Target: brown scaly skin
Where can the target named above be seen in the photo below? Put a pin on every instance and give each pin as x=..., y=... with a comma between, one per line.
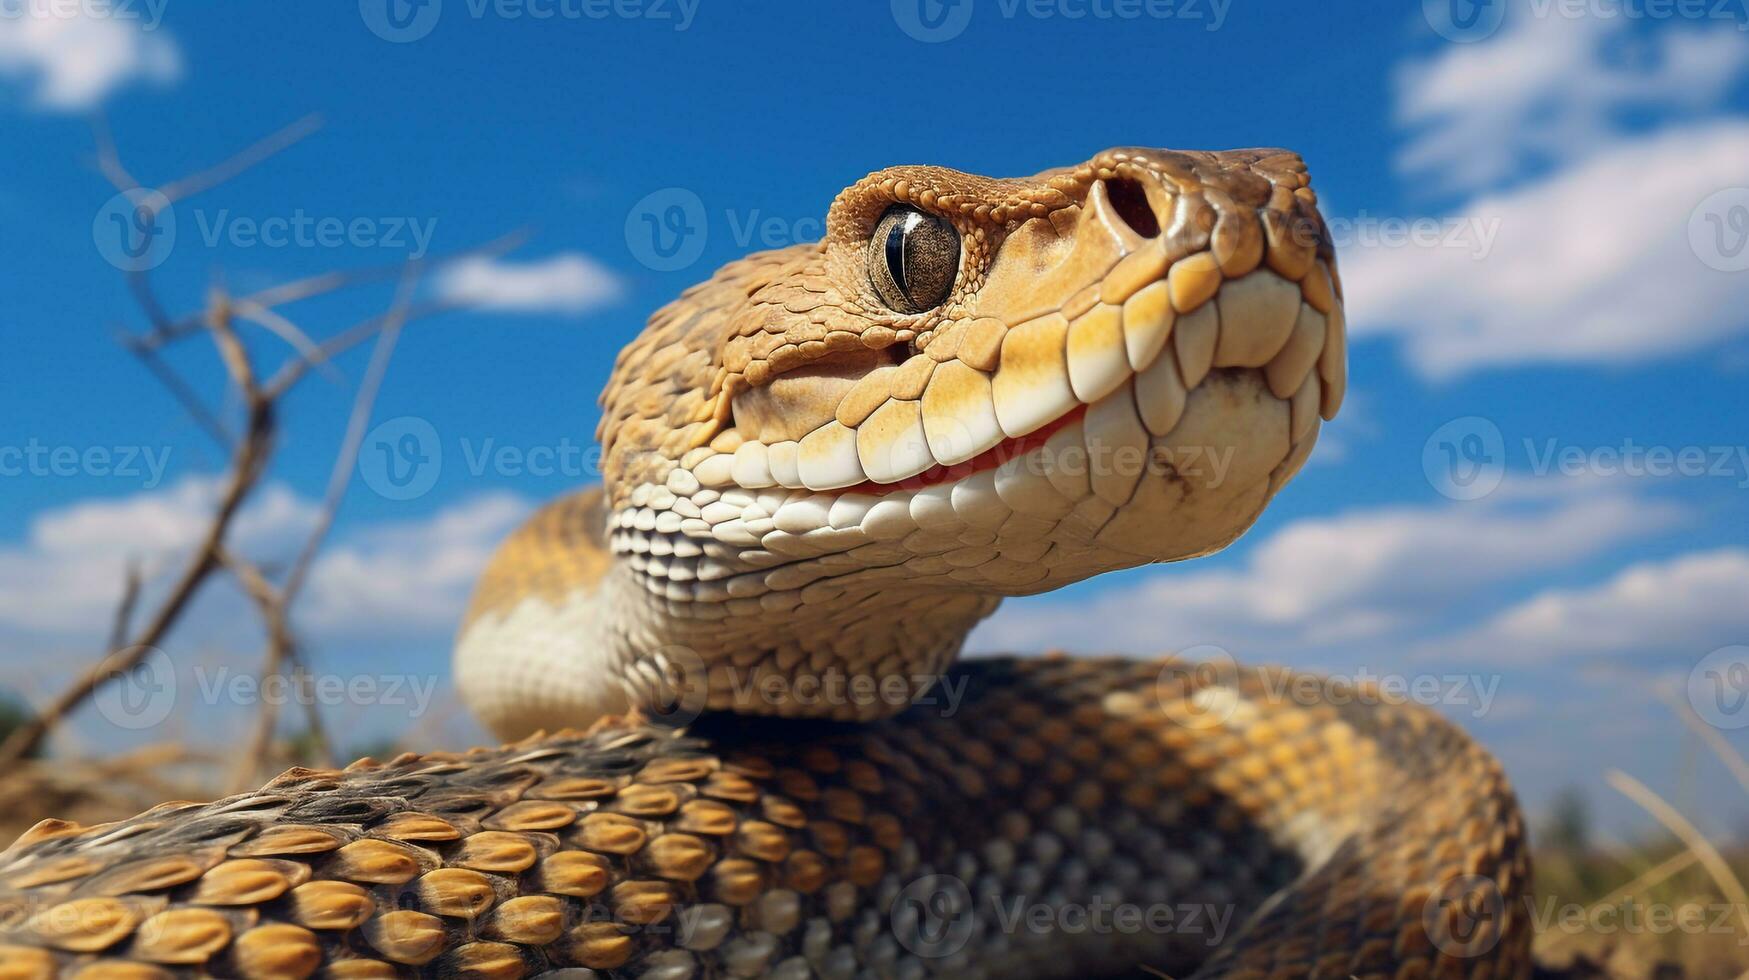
x=1230, y=824
x=744, y=848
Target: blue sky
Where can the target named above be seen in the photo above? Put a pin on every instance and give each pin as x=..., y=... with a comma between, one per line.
x=1540, y=221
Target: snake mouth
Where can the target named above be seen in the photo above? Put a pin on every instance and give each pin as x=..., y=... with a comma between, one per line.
x=1038, y=487
x=1001, y=454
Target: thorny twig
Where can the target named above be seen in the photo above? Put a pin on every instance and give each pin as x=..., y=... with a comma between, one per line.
x=249, y=443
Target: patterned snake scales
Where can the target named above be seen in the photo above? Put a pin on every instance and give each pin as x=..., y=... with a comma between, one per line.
x=822, y=467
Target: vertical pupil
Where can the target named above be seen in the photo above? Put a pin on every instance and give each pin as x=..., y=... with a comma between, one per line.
x=896, y=252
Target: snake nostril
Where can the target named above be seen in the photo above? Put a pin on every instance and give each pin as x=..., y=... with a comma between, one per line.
x=1130, y=201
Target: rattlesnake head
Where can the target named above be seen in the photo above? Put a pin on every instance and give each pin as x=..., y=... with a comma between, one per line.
x=828, y=462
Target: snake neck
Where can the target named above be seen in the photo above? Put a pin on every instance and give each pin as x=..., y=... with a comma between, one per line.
x=570, y=625
x=863, y=650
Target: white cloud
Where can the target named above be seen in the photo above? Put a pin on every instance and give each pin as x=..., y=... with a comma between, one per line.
x=1334, y=580
x=566, y=283
x=1551, y=88
x=1687, y=604
x=67, y=575
x=63, y=580
x=413, y=576
x=71, y=60
x=1592, y=265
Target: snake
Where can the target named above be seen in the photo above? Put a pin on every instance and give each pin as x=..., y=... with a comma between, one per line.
x=738, y=740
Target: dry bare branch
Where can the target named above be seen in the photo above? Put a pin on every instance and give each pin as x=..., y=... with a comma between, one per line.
x=249, y=444
x=280, y=326
x=324, y=283
x=251, y=155
x=243, y=472
x=183, y=392
x=108, y=160
x=123, y=620
x=363, y=402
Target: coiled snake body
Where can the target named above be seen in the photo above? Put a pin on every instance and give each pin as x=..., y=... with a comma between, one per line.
x=822, y=467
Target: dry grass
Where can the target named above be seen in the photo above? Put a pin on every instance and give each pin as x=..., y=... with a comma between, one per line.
x=1645, y=911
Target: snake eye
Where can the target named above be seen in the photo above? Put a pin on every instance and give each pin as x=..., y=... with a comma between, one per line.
x=913, y=258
